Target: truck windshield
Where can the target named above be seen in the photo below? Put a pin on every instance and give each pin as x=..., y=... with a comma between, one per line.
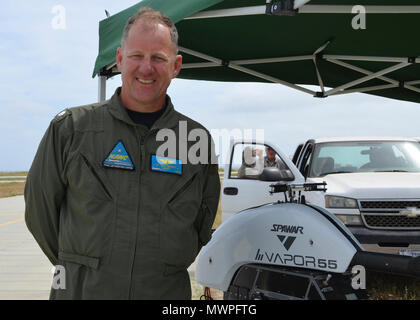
x=365, y=156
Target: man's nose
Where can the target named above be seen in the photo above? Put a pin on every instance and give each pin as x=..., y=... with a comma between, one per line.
x=146, y=65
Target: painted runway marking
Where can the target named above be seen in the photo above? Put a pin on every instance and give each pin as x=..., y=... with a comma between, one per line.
x=10, y=222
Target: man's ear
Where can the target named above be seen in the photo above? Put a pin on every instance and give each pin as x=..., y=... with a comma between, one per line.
x=119, y=58
x=178, y=65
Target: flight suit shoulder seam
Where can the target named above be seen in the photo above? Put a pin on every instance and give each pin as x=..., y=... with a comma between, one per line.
x=190, y=121
x=86, y=115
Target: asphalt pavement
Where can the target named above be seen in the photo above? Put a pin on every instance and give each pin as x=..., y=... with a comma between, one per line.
x=25, y=273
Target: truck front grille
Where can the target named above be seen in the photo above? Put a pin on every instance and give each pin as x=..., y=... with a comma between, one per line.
x=392, y=222
x=389, y=204
x=387, y=214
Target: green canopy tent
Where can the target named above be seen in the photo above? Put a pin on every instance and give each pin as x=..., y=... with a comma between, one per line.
x=327, y=43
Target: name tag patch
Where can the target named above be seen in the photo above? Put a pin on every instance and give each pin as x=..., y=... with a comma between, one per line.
x=119, y=158
x=168, y=165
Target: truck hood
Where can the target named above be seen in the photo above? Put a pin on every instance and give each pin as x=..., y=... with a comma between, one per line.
x=373, y=185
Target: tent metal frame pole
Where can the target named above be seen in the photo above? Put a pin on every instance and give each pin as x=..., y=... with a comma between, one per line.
x=224, y=13
x=305, y=8
x=366, y=89
x=367, y=78
x=234, y=66
x=101, y=88
x=201, y=55
x=111, y=66
x=200, y=65
x=310, y=57
x=272, y=60
x=248, y=61
x=315, y=58
x=300, y=3
x=318, y=75
x=402, y=62
x=358, y=69
x=407, y=85
x=336, y=59
x=371, y=59
x=271, y=79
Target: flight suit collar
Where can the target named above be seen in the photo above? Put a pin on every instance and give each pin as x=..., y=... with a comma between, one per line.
x=169, y=118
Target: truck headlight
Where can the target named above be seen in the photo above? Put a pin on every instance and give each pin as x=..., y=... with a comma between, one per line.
x=350, y=219
x=340, y=202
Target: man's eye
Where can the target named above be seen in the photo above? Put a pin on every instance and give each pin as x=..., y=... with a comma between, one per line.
x=159, y=58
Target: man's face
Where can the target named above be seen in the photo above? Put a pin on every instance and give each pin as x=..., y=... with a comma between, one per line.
x=147, y=62
x=271, y=154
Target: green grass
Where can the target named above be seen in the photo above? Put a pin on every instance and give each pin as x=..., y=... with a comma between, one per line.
x=19, y=173
x=11, y=189
x=383, y=286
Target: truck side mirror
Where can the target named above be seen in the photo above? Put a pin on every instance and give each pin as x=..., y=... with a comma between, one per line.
x=275, y=174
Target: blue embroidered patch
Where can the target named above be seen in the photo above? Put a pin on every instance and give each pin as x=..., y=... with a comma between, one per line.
x=168, y=165
x=119, y=158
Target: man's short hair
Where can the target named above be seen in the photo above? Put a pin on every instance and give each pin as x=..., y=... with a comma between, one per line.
x=152, y=16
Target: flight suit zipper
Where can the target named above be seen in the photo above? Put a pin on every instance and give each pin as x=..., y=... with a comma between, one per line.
x=143, y=152
x=142, y=167
x=141, y=160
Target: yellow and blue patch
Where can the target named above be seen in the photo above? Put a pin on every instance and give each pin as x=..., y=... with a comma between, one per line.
x=168, y=165
x=119, y=158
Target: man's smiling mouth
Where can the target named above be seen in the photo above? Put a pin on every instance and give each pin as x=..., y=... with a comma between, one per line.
x=144, y=81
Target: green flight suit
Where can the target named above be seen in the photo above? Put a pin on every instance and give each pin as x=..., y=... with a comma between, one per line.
x=118, y=233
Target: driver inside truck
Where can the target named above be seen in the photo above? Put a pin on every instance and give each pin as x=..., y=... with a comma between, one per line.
x=382, y=157
x=252, y=163
x=270, y=160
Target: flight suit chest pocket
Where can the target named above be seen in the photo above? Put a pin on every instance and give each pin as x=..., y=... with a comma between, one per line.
x=88, y=178
x=87, y=222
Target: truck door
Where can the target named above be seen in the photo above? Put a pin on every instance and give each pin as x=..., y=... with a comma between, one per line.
x=304, y=159
x=241, y=188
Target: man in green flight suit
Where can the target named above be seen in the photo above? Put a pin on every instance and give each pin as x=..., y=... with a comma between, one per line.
x=123, y=218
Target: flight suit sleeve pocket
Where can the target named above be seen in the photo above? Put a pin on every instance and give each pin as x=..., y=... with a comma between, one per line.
x=90, y=262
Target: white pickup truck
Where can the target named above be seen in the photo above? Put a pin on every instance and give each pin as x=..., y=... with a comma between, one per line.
x=373, y=184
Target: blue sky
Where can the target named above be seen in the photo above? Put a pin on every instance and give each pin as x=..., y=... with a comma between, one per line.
x=45, y=70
